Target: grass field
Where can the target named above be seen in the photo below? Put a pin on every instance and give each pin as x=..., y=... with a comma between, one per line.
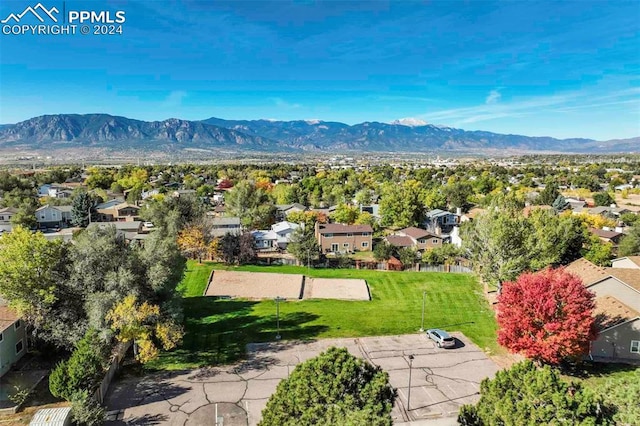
x=218, y=330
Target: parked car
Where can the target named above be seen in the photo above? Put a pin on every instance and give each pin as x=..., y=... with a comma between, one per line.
x=441, y=337
x=148, y=225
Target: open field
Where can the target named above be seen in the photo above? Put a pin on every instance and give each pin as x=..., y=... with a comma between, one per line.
x=217, y=331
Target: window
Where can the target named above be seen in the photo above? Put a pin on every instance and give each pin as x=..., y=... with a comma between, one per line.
x=365, y=244
x=17, y=324
x=1, y=217
x=349, y=234
x=19, y=347
x=635, y=346
x=42, y=216
x=328, y=235
x=334, y=247
x=53, y=214
x=345, y=245
x=365, y=234
x=434, y=241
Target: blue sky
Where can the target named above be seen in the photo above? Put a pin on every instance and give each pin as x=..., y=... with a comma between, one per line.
x=564, y=69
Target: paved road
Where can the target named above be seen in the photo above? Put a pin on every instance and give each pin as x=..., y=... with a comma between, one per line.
x=441, y=381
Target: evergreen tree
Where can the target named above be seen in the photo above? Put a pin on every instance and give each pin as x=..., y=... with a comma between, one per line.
x=334, y=388
x=526, y=395
x=81, y=209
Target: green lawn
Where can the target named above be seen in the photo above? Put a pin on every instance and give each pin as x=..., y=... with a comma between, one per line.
x=217, y=331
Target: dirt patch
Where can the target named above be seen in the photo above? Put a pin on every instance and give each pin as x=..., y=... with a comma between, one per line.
x=332, y=288
x=254, y=285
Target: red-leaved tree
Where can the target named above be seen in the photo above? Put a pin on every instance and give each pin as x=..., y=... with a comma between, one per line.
x=546, y=316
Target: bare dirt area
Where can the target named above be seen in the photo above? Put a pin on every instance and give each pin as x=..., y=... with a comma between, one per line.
x=333, y=288
x=441, y=381
x=255, y=285
x=632, y=202
x=266, y=285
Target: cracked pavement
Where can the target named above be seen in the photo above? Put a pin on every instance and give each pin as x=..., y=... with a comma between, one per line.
x=441, y=381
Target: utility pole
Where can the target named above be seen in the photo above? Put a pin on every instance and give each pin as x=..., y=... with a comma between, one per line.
x=278, y=299
x=424, y=294
x=409, y=391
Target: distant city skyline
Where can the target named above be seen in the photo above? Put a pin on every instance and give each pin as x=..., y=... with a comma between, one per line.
x=560, y=69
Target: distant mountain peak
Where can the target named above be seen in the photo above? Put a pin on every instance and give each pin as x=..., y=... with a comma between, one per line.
x=410, y=121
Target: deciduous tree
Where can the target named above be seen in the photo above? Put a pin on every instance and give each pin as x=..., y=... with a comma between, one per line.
x=630, y=243
x=603, y=199
x=143, y=324
x=304, y=245
x=333, y=388
x=547, y=316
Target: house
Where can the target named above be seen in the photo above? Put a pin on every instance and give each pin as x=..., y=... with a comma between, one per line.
x=440, y=221
x=13, y=338
x=617, y=310
x=607, y=236
x=373, y=210
x=420, y=239
x=225, y=225
x=122, y=228
x=122, y=212
x=283, y=210
x=55, y=191
x=53, y=216
x=629, y=262
x=609, y=211
x=151, y=193
x=5, y=219
x=276, y=238
x=184, y=192
x=338, y=238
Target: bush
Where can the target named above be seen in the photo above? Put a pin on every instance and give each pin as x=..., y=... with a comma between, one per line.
x=82, y=371
x=85, y=410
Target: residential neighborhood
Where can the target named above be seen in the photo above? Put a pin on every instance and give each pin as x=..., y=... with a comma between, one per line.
x=373, y=245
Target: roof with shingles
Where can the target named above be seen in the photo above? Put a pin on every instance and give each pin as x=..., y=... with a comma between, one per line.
x=631, y=277
x=416, y=233
x=610, y=311
x=399, y=241
x=588, y=272
x=338, y=228
x=7, y=317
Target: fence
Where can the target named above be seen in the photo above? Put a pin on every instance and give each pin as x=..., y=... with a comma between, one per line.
x=114, y=365
x=458, y=269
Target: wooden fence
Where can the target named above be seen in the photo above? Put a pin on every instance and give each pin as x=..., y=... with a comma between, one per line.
x=114, y=365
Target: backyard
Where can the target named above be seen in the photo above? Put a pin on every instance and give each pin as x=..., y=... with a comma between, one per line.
x=218, y=330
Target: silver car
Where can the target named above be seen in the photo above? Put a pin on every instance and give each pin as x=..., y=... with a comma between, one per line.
x=441, y=337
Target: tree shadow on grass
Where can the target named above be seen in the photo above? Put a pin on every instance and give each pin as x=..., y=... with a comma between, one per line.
x=217, y=331
x=587, y=369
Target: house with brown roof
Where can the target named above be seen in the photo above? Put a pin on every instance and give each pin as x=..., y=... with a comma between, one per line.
x=607, y=236
x=339, y=238
x=13, y=339
x=123, y=212
x=418, y=238
x=617, y=310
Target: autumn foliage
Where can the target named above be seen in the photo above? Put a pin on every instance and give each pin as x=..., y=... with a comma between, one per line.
x=546, y=316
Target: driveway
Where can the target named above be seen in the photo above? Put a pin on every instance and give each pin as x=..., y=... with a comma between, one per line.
x=441, y=381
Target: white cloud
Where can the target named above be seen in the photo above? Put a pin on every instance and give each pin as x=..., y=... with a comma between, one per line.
x=493, y=97
x=284, y=104
x=562, y=102
x=174, y=99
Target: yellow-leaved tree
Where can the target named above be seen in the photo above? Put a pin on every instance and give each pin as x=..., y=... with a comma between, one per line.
x=192, y=242
x=143, y=324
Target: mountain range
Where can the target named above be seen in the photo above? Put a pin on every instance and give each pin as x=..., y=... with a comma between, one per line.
x=407, y=135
